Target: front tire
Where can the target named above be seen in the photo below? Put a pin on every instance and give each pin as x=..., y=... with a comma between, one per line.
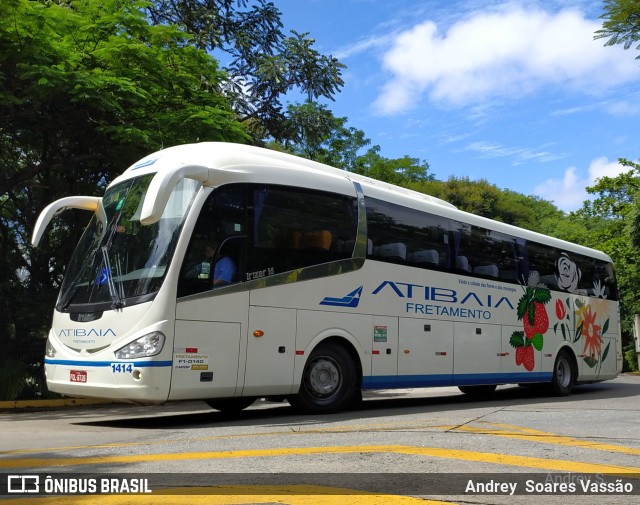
x=328, y=380
x=564, y=375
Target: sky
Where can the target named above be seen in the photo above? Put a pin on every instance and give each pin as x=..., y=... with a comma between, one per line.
x=514, y=92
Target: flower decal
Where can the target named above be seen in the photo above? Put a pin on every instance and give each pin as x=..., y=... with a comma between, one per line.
x=535, y=281
x=591, y=333
x=599, y=290
x=577, y=320
x=567, y=273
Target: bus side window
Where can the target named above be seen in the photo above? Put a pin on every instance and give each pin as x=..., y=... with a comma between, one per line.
x=403, y=235
x=215, y=254
x=294, y=228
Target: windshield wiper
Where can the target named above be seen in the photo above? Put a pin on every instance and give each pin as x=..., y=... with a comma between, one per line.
x=116, y=300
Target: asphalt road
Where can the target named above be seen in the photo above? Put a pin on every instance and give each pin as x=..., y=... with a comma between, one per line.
x=400, y=447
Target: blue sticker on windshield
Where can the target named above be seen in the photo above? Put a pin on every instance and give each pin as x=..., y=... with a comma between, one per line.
x=103, y=277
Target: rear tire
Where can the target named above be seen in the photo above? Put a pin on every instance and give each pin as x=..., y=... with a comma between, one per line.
x=328, y=380
x=564, y=375
x=231, y=405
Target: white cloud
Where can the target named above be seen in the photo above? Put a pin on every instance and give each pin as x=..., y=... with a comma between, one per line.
x=510, y=52
x=619, y=108
x=623, y=108
x=362, y=46
x=519, y=155
x=569, y=192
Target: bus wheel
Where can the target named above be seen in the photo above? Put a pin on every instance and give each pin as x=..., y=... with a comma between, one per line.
x=478, y=391
x=230, y=405
x=328, y=380
x=564, y=375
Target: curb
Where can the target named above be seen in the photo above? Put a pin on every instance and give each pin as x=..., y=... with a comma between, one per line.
x=48, y=404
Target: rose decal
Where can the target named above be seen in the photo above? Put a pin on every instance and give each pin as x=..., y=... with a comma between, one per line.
x=567, y=273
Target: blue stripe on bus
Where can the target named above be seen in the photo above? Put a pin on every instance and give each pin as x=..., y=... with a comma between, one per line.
x=412, y=381
x=139, y=364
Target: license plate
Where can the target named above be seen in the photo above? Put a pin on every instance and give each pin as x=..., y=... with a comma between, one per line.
x=77, y=375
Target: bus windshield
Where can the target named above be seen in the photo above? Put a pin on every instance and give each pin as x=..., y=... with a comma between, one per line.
x=120, y=262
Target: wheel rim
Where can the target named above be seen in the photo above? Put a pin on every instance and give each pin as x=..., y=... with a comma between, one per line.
x=323, y=378
x=563, y=373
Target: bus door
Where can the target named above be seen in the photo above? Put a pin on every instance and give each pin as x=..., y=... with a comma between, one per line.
x=212, y=305
x=271, y=351
x=207, y=344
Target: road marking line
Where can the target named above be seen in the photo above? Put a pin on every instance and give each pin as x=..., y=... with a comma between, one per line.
x=287, y=431
x=484, y=457
x=543, y=437
x=223, y=495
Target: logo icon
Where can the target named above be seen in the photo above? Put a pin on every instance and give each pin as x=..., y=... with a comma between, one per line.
x=350, y=300
x=23, y=484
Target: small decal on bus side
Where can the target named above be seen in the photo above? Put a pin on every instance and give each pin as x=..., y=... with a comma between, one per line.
x=191, y=362
x=121, y=367
x=261, y=273
x=379, y=333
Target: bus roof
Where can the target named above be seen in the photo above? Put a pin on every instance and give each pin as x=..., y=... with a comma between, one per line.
x=220, y=163
x=221, y=155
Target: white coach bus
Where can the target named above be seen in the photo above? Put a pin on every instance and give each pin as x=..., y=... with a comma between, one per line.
x=227, y=273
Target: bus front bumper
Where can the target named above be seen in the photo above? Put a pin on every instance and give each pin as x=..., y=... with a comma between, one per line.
x=136, y=381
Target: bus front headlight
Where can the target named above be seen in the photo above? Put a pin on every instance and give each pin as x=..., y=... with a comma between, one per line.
x=143, y=347
x=50, y=351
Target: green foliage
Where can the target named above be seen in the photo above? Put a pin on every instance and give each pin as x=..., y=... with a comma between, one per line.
x=610, y=220
x=264, y=63
x=315, y=133
x=621, y=23
x=630, y=359
x=402, y=171
x=485, y=199
x=13, y=375
x=87, y=87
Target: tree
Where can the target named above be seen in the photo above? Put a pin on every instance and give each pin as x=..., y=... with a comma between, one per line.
x=263, y=64
x=87, y=87
x=611, y=221
x=402, y=171
x=315, y=133
x=621, y=23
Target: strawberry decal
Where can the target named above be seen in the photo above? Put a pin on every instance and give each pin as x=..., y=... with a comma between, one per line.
x=535, y=320
x=524, y=350
x=525, y=356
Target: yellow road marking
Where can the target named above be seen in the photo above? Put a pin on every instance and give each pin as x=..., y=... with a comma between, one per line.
x=543, y=437
x=291, y=495
x=459, y=454
x=505, y=431
x=287, y=431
